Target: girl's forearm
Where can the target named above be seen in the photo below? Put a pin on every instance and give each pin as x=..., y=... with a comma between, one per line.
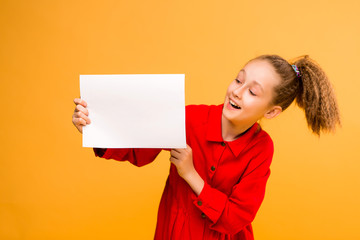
x=195, y=182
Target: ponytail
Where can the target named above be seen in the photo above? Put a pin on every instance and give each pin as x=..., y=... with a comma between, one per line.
x=310, y=88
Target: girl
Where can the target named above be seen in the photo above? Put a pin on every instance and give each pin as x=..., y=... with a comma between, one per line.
x=216, y=185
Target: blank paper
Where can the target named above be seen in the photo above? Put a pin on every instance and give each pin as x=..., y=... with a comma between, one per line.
x=134, y=110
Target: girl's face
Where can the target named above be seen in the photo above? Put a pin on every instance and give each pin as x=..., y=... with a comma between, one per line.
x=249, y=96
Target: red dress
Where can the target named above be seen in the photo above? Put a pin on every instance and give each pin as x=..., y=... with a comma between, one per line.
x=235, y=175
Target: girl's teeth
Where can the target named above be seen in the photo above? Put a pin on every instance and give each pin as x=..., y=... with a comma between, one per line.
x=234, y=105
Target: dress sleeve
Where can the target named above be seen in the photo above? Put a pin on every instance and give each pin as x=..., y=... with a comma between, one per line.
x=230, y=214
x=136, y=156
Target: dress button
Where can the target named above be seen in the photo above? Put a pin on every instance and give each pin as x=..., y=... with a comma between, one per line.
x=223, y=144
x=203, y=215
x=212, y=168
x=199, y=203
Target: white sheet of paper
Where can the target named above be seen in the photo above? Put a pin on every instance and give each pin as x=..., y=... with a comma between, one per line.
x=134, y=110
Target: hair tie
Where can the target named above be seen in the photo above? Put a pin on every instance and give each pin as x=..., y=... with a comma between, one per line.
x=296, y=70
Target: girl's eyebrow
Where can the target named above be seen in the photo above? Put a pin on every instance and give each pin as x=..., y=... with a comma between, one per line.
x=244, y=73
x=254, y=82
x=258, y=84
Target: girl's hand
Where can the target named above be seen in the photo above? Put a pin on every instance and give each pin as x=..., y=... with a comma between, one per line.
x=80, y=117
x=183, y=160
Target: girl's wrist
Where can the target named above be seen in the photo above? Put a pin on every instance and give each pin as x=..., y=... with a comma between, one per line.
x=190, y=175
x=195, y=181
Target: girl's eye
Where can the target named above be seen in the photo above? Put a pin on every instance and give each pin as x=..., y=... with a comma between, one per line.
x=237, y=80
x=252, y=93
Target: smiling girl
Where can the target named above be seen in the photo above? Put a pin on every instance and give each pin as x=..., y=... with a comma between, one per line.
x=217, y=184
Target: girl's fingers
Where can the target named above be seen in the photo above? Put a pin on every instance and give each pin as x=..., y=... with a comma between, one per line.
x=174, y=153
x=177, y=150
x=80, y=108
x=79, y=128
x=82, y=116
x=79, y=123
x=80, y=101
x=173, y=160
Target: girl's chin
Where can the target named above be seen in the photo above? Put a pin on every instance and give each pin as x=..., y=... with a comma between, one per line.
x=230, y=115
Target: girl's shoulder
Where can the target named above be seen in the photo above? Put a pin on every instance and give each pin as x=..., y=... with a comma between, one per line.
x=262, y=139
x=202, y=108
x=200, y=113
x=197, y=107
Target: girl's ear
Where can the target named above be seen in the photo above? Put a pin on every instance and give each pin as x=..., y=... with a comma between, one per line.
x=273, y=112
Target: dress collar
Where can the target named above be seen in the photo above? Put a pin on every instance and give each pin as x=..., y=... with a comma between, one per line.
x=214, y=131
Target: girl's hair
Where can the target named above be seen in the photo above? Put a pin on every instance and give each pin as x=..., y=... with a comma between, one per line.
x=312, y=91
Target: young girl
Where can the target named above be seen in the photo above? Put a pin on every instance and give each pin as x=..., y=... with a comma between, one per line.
x=216, y=185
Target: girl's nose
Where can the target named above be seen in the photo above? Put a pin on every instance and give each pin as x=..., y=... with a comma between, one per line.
x=238, y=92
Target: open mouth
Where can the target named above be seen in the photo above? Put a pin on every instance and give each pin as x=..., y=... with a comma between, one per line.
x=234, y=105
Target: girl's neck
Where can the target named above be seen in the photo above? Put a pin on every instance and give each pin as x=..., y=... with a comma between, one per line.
x=231, y=132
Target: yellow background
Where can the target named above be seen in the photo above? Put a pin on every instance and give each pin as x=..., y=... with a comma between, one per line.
x=52, y=188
